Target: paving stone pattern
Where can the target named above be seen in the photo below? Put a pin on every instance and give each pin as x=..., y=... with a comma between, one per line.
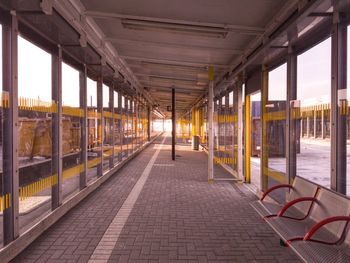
x=178, y=217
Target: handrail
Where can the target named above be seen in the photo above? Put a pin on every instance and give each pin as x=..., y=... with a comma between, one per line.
x=320, y=224
x=291, y=203
x=275, y=188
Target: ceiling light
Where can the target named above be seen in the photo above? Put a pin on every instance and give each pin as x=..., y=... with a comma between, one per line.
x=193, y=30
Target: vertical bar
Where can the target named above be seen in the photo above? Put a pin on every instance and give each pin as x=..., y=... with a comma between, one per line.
x=83, y=125
x=121, y=130
x=100, y=127
x=10, y=129
x=264, y=140
x=315, y=123
x=247, y=138
x=149, y=123
x=323, y=135
x=173, y=118
x=56, y=163
x=111, y=125
x=338, y=95
x=210, y=126
x=291, y=110
x=126, y=111
x=308, y=126
x=240, y=128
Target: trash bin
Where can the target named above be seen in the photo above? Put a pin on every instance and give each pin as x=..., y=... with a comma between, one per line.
x=195, y=142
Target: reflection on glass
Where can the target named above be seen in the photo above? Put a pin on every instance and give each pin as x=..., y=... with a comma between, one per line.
x=71, y=130
x=108, y=126
x=255, y=116
x=35, y=130
x=313, y=94
x=92, y=124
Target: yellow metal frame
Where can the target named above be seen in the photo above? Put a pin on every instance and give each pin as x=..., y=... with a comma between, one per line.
x=247, y=138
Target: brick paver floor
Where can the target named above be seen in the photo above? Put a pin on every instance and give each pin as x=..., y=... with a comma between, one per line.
x=178, y=217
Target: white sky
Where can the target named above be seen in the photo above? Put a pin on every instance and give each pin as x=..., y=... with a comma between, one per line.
x=34, y=76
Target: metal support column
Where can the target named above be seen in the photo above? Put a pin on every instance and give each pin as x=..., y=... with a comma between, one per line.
x=100, y=126
x=56, y=164
x=173, y=119
x=339, y=103
x=121, y=131
x=211, y=126
x=264, y=141
x=323, y=135
x=10, y=130
x=83, y=127
x=240, y=128
x=111, y=125
x=126, y=125
x=292, y=110
x=149, y=123
x=247, y=138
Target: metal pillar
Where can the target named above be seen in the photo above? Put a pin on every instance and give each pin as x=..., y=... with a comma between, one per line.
x=240, y=128
x=247, y=138
x=83, y=127
x=121, y=131
x=338, y=96
x=10, y=130
x=291, y=110
x=264, y=141
x=56, y=163
x=149, y=123
x=210, y=126
x=126, y=112
x=111, y=125
x=173, y=119
x=100, y=126
x=323, y=135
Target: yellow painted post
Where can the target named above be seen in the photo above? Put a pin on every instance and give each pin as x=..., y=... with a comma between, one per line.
x=247, y=137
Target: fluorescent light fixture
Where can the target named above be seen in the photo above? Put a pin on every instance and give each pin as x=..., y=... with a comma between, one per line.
x=176, y=28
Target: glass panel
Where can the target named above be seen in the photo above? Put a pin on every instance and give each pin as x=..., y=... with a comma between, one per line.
x=35, y=129
x=71, y=130
x=314, y=93
x=92, y=123
x=108, y=123
x=117, y=130
x=348, y=118
x=125, y=128
x=255, y=115
x=276, y=129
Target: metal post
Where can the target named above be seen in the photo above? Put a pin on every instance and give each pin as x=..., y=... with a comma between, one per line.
x=126, y=111
x=121, y=132
x=240, y=128
x=56, y=163
x=83, y=127
x=210, y=126
x=248, y=138
x=315, y=123
x=173, y=119
x=111, y=125
x=10, y=130
x=291, y=110
x=323, y=135
x=339, y=103
x=100, y=126
x=149, y=123
x=264, y=141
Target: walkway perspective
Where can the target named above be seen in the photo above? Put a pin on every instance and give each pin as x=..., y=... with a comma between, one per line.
x=158, y=210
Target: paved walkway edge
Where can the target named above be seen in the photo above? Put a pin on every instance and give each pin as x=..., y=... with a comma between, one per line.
x=10, y=251
x=109, y=240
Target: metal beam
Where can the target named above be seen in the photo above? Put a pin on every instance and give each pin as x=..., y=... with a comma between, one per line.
x=292, y=110
x=339, y=105
x=143, y=43
x=264, y=130
x=83, y=127
x=240, y=29
x=10, y=130
x=173, y=118
x=56, y=164
x=211, y=126
x=111, y=124
x=174, y=62
x=100, y=126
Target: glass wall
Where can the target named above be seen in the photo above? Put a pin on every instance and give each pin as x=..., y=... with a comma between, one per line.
x=117, y=129
x=314, y=94
x=108, y=126
x=72, y=115
x=34, y=133
x=3, y=100
x=125, y=127
x=92, y=125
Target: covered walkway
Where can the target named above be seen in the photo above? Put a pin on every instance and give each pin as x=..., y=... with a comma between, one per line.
x=177, y=217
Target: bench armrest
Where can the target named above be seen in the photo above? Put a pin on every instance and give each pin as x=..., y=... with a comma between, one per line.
x=319, y=225
x=268, y=191
x=296, y=201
